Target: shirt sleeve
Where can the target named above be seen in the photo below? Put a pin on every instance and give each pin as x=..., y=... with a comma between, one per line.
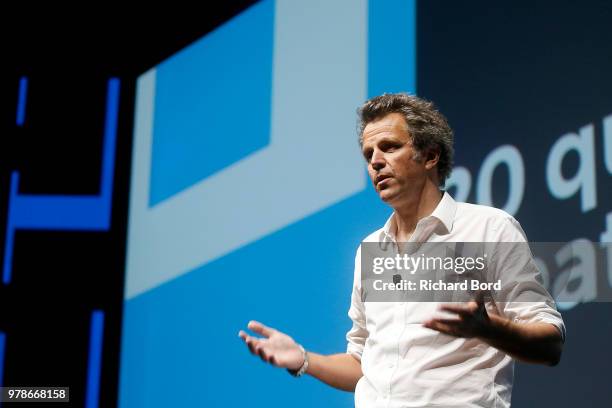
x=523, y=298
x=358, y=334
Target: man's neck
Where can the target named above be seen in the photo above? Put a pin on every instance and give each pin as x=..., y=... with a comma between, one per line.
x=411, y=211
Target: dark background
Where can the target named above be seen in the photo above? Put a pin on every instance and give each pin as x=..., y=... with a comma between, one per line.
x=526, y=73
x=59, y=277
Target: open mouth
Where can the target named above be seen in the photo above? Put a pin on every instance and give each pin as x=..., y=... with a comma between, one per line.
x=381, y=180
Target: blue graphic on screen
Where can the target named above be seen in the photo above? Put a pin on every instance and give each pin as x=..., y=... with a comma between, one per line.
x=94, y=364
x=2, y=344
x=238, y=215
x=212, y=107
x=63, y=212
x=22, y=101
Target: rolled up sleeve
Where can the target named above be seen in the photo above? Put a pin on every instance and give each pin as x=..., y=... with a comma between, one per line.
x=525, y=300
x=358, y=334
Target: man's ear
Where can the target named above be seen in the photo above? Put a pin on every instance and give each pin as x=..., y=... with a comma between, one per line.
x=432, y=158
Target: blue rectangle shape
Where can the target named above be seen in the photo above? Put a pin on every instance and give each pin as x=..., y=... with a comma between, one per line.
x=213, y=103
x=95, y=359
x=21, y=101
x=10, y=231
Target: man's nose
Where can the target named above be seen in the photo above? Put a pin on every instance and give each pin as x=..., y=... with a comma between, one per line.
x=378, y=160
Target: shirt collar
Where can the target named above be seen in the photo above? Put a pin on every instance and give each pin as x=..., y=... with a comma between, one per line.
x=444, y=213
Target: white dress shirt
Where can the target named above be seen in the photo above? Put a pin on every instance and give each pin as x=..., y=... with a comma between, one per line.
x=407, y=365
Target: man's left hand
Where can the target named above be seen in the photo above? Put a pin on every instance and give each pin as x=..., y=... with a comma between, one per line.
x=471, y=320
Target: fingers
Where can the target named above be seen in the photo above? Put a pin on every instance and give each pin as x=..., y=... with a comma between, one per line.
x=251, y=342
x=480, y=297
x=463, y=310
x=441, y=327
x=263, y=353
x=447, y=321
x=471, y=310
x=260, y=328
x=257, y=347
x=259, y=351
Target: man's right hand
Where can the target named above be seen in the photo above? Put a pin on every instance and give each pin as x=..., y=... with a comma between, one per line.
x=274, y=347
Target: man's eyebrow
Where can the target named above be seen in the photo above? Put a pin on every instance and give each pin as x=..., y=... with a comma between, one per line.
x=384, y=139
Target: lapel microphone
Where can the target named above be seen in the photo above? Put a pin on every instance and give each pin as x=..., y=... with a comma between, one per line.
x=397, y=278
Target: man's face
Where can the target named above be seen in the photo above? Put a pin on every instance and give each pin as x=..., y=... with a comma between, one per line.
x=392, y=164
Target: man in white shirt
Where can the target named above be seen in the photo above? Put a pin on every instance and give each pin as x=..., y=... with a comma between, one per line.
x=418, y=354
